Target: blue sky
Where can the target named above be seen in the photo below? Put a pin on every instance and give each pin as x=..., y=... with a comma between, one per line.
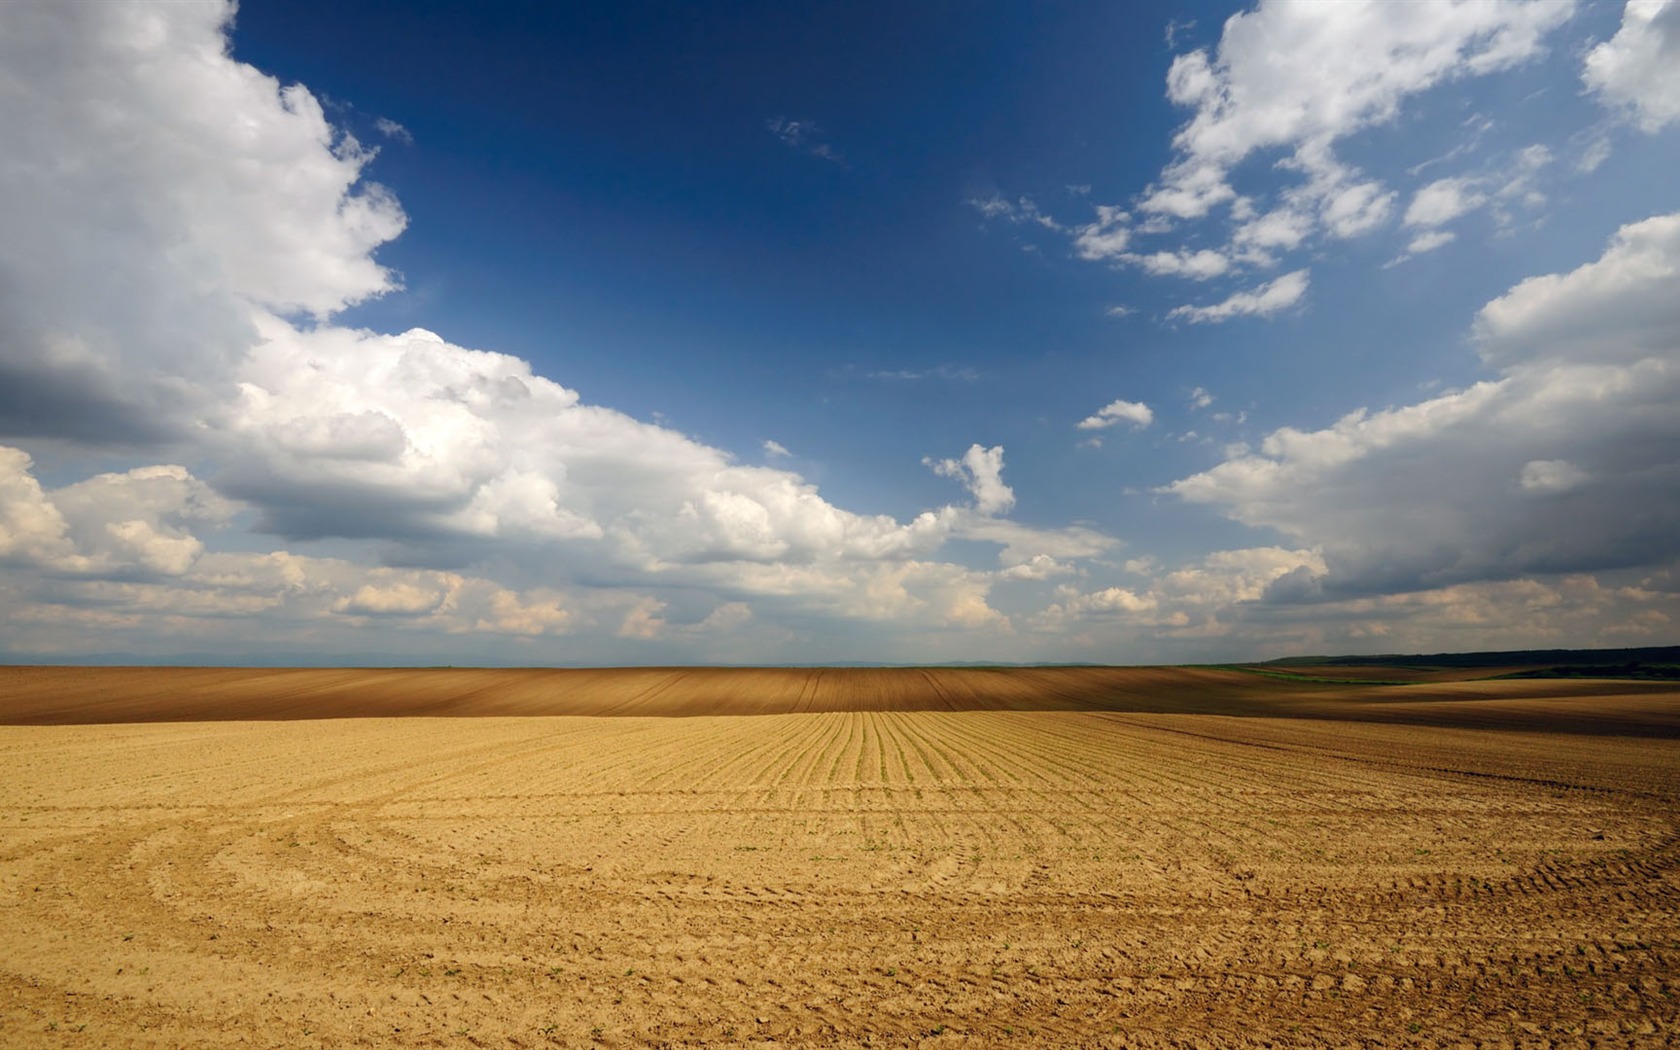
x=773, y=333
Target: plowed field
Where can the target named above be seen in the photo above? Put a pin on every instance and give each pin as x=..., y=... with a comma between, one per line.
x=966, y=856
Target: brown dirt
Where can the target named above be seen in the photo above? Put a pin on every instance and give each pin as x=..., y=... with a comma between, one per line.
x=1116, y=866
x=92, y=695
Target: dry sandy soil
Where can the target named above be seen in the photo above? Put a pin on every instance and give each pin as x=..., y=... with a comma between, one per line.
x=1089, y=857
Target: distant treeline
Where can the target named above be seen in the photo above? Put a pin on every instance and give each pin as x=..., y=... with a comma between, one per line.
x=1659, y=662
x=1649, y=672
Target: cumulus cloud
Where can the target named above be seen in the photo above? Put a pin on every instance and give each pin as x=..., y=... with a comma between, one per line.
x=1638, y=70
x=126, y=549
x=141, y=520
x=1619, y=308
x=1193, y=600
x=1107, y=237
x=1284, y=228
x=136, y=523
x=1038, y=567
x=142, y=215
x=1264, y=301
x=1566, y=463
x=1136, y=413
x=981, y=471
x=32, y=530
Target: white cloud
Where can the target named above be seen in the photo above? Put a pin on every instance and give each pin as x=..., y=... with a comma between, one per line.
x=1442, y=201
x=1264, y=301
x=1618, y=309
x=981, y=471
x=393, y=130
x=1191, y=189
x=775, y=449
x=1585, y=413
x=1200, y=398
x=1105, y=238
x=408, y=597
x=136, y=523
x=1302, y=76
x=1519, y=179
x=1428, y=242
x=1638, y=69
x=32, y=530
x=992, y=207
x=1136, y=413
x=1038, y=567
x=1198, y=265
x=142, y=214
x=1501, y=190
x=1353, y=209
x=140, y=520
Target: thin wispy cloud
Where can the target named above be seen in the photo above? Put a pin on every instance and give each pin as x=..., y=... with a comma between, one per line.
x=804, y=136
x=394, y=131
x=1265, y=300
x=1135, y=414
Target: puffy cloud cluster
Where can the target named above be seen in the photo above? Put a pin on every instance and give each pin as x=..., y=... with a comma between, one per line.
x=1196, y=601
x=1301, y=76
x=181, y=229
x=981, y=472
x=135, y=523
x=1292, y=81
x=1569, y=462
x=353, y=434
x=1253, y=601
x=123, y=551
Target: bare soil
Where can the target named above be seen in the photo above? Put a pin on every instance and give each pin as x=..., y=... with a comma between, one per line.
x=1068, y=856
